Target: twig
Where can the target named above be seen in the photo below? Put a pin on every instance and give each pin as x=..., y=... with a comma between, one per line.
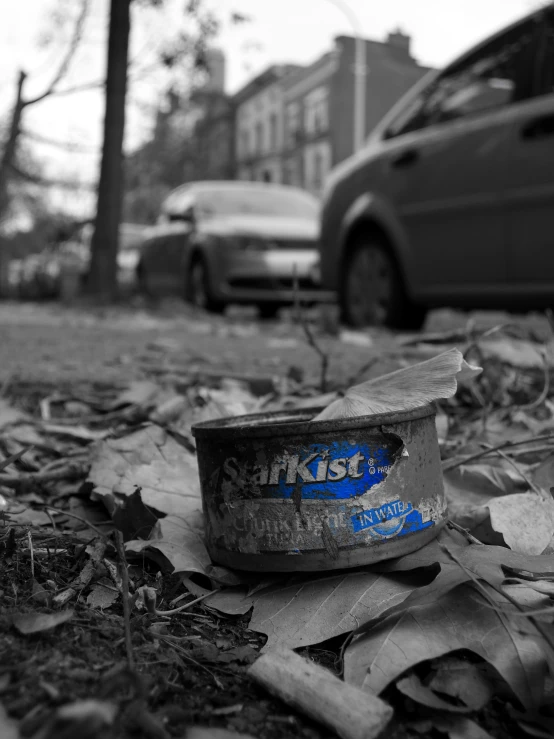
x=464, y=532
x=537, y=624
x=324, y=357
x=524, y=477
x=71, y=472
x=182, y=608
x=492, y=449
x=66, y=61
x=13, y=458
x=30, y=540
x=125, y=595
x=77, y=518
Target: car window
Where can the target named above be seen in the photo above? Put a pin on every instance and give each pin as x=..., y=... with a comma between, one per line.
x=494, y=76
x=544, y=67
x=270, y=201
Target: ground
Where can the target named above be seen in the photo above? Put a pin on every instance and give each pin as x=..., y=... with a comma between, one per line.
x=191, y=669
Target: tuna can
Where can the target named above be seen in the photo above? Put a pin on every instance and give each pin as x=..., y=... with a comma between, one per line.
x=283, y=494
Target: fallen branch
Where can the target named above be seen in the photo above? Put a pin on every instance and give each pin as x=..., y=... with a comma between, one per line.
x=493, y=449
x=324, y=357
x=350, y=712
x=71, y=472
x=120, y=545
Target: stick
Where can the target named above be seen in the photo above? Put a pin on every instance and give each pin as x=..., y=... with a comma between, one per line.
x=125, y=596
x=71, y=472
x=350, y=712
x=324, y=357
x=492, y=449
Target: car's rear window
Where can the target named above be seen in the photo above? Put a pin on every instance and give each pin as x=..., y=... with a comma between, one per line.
x=262, y=202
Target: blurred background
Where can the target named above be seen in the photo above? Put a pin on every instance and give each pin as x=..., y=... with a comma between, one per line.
x=106, y=107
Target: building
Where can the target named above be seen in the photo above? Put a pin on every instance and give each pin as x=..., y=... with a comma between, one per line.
x=294, y=126
x=210, y=126
x=259, y=125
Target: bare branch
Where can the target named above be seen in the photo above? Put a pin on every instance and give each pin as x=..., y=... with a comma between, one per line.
x=48, y=182
x=66, y=61
x=96, y=85
x=66, y=145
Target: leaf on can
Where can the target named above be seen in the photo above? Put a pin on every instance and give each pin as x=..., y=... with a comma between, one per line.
x=405, y=389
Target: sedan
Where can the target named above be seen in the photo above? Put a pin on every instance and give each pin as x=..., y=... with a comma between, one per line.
x=235, y=242
x=451, y=201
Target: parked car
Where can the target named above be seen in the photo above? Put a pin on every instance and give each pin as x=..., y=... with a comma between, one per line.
x=451, y=203
x=226, y=242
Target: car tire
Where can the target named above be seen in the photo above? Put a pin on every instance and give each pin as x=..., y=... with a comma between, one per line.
x=142, y=281
x=372, y=291
x=198, y=291
x=268, y=311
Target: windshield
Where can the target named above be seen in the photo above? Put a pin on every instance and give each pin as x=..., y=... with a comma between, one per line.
x=263, y=202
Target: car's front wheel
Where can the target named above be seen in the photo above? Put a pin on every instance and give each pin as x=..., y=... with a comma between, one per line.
x=372, y=292
x=198, y=288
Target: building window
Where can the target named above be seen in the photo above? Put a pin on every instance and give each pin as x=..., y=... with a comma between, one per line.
x=316, y=111
x=273, y=132
x=259, y=132
x=293, y=124
x=244, y=144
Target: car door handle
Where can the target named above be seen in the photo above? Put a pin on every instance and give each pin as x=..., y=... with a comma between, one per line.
x=538, y=128
x=405, y=159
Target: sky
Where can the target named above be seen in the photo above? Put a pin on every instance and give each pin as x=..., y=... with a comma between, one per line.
x=34, y=33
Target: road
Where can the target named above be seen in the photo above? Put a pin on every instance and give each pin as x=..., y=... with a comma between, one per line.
x=51, y=344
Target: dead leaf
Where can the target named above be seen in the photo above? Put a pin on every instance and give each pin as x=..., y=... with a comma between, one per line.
x=525, y=520
x=232, y=601
x=469, y=487
x=463, y=681
x=484, y=562
x=515, y=352
x=141, y=392
x=151, y=459
x=543, y=476
x=412, y=687
x=312, y=610
x=180, y=541
x=76, y=432
x=34, y=622
x=462, y=619
x=455, y=727
x=8, y=727
x=200, y=732
x=404, y=389
x=10, y=415
x=133, y=518
x=102, y=594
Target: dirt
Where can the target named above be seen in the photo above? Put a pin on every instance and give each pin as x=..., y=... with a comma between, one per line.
x=190, y=667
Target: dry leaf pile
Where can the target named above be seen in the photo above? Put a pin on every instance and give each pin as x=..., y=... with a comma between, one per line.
x=457, y=637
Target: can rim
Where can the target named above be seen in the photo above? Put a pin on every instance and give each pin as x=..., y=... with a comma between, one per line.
x=297, y=421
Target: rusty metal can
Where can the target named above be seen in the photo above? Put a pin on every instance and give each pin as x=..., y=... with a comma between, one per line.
x=281, y=493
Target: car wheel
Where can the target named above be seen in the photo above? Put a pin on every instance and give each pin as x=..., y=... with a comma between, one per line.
x=142, y=281
x=268, y=311
x=372, y=291
x=198, y=288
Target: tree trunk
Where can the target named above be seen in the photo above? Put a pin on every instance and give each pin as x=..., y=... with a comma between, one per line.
x=10, y=147
x=102, y=281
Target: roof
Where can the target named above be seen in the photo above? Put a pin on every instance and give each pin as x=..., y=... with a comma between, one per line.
x=272, y=74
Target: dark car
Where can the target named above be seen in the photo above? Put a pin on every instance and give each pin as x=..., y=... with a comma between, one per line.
x=226, y=242
x=451, y=203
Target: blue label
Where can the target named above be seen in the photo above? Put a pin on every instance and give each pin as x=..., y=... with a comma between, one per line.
x=331, y=471
x=390, y=519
